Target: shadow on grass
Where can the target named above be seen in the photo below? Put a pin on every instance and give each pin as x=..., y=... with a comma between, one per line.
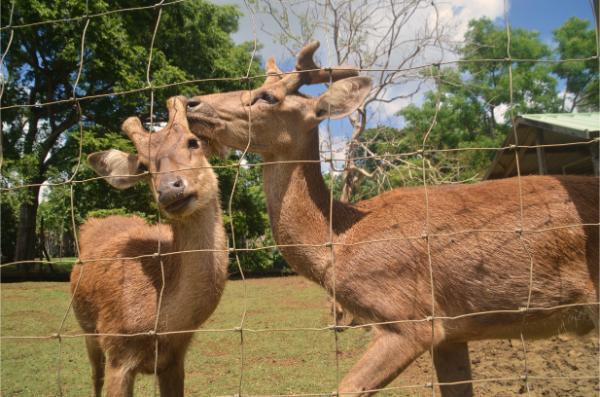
x=58, y=270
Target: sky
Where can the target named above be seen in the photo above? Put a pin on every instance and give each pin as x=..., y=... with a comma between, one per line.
x=539, y=15
x=546, y=15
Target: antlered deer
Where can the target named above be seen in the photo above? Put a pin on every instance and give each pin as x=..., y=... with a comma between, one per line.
x=120, y=296
x=481, y=249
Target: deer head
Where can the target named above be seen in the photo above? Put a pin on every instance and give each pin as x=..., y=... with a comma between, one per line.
x=276, y=119
x=179, y=172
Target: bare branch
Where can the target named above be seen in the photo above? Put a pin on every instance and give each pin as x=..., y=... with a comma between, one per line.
x=371, y=34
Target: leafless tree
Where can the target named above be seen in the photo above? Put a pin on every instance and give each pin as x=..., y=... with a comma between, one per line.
x=387, y=39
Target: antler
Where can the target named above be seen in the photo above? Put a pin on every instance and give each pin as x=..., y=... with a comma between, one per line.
x=133, y=128
x=310, y=73
x=177, y=111
x=274, y=74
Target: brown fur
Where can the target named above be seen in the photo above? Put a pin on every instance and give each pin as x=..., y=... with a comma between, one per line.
x=479, y=246
x=120, y=296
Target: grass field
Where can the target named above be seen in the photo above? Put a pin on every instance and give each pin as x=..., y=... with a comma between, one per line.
x=274, y=362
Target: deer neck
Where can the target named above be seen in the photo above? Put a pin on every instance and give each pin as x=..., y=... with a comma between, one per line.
x=298, y=202
x=200, y=233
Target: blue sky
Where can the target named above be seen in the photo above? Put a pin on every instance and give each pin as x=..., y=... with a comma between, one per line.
x=546, y=15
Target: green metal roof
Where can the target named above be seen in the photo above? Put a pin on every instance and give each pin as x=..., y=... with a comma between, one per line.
x=549, y=129
x=584, y=122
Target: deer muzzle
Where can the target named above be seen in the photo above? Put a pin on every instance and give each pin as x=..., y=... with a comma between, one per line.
x=171, y=190
x=201, y=116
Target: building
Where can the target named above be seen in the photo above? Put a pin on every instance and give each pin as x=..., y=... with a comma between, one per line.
x=572, y=140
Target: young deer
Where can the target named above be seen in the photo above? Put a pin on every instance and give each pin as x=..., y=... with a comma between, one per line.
x=481, y=249
x=120, y=296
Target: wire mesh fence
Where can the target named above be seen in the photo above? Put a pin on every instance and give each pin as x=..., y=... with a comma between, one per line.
x=427, y=236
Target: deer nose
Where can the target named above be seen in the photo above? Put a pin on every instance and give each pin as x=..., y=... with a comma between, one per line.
x=171, y=189
x=199, y=108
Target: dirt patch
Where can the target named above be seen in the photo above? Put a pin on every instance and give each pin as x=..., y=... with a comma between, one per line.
x=556, y=367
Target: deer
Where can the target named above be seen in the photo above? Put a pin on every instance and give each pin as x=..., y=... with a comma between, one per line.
x=118, y=281
x=417, y=262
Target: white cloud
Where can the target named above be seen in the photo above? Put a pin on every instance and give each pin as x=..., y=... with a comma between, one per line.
x=462, y=11
x=500, y=113
x=333, y=149
x=568, y=98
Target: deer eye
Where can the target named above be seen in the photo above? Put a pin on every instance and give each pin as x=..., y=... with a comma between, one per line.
x=192, y=104
x=265, y=97
x=141, y=168
x=193, y=143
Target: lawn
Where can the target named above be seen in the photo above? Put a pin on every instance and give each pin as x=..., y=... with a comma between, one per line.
x=274, y=362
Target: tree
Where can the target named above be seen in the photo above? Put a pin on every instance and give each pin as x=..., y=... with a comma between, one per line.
x=376, y=35
x=90, y=198
x=533, y=86
x=9, y=230
x=249, y=217
x=469, y=105
x=576, y=39
x=93, y=198
x=192, y=42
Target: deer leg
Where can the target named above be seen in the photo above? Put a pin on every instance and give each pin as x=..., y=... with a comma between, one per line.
x=389, y=354
x=452, y=364
x=171, y=379
x=97, y=360
x=119, y=380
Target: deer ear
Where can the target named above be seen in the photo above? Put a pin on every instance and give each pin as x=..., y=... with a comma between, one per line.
x=119, y=167
x=343, y=97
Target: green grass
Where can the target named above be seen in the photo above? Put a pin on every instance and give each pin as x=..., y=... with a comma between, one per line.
x=274, y=362
x=64, y=264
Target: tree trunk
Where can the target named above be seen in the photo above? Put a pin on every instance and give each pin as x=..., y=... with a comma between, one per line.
x=68, y=244
x=26, y=237
x=349, y=177
x=42, y=244
x=597, y=16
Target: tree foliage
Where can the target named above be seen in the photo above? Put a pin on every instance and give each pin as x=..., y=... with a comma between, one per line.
x=471, y=105
x=248, y=216
x=192, y=42
x=92, y=196
x=577, y=40
x=533, y=87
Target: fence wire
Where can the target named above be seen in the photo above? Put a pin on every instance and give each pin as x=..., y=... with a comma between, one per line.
x=327, y=156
